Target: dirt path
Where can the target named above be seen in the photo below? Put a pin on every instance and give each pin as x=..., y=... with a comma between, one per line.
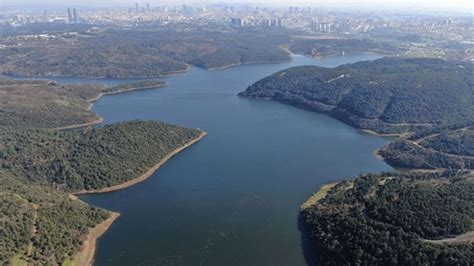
x=464, y=238
x=98, y=121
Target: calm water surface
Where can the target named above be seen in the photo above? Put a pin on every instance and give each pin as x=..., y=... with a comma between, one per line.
x=233, y=198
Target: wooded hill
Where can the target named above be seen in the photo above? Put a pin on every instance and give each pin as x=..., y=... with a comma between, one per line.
x=449, y=148
x=39, y=222
x=394, y=219
x=323, y=47
x=141, y=53
x=388, y=95
x=41, y=225
x=89, y=159
x=45, y=104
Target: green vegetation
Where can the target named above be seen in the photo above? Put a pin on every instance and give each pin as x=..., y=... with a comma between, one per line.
x=389, y=95
x=322, y=47
x=386, y=219
x=141, y=85
x=444, y=148
x=92, y=158
x=41, y=225
x=146, y=53
x=39, y=222
x=459, y=142
x=45, y=104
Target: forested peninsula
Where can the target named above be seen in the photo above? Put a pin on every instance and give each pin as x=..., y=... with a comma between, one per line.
x=389, y=95
x=438, y=148
x=394, y=219
x=141, y=53
x=42, y=167
x=47, y=104
x=428, y=102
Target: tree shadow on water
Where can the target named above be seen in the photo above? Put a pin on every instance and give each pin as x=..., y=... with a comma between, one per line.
x=306, y=243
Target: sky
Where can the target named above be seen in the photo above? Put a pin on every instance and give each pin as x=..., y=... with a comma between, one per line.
x=466, y=6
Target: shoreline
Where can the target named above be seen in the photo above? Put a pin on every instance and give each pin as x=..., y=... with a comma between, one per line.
x=374, y=133
x=95, y=99
x=87, y=254
x=46, y=77
x=320, y=194
x=100, y=119
x=330, y=114
x=135, y=89
x=247, y=63
x=145, y=175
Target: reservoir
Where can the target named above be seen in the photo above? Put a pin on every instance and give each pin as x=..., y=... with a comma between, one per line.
x=233, y=198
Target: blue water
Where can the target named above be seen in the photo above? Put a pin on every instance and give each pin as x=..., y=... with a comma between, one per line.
x=233, y=198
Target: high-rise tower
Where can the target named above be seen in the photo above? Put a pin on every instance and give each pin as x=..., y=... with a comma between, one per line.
x=76, y=19
x=69, y=16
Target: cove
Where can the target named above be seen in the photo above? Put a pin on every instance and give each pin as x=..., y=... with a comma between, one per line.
x=234, y=197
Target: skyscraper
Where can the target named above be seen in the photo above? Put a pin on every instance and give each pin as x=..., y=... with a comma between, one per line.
x=69, y=16
x=136, y=7
x=76, y=19
x=148, y=7
x=45, y=16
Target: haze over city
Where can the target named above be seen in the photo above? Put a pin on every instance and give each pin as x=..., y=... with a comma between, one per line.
x=463, y=6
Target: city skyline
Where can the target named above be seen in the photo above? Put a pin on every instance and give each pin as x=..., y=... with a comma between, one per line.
x=464, y=6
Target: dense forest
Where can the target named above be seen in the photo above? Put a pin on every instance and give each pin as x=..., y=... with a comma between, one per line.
x=388, y=95
x=39, y=222
x=86, y=159
x=394, y=219
x=45, y=104
x=41, y=225
x=322, y=47
x=141, y=53
x=446, y=148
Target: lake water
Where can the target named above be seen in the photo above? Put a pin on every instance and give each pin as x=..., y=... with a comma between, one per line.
x=234, y=197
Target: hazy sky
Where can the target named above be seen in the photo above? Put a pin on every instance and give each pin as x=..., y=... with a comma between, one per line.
x=448, y=5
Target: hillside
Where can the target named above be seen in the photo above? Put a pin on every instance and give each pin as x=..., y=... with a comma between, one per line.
x=388, y=95
x=40, y=224
x=90, y=159
x=322, y=47
x=443, y=148
x=45, y=104
x=140, y=53
x=394, y=219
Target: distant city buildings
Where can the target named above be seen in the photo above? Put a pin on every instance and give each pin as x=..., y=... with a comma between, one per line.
x=317, y=26
x=306, y=20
